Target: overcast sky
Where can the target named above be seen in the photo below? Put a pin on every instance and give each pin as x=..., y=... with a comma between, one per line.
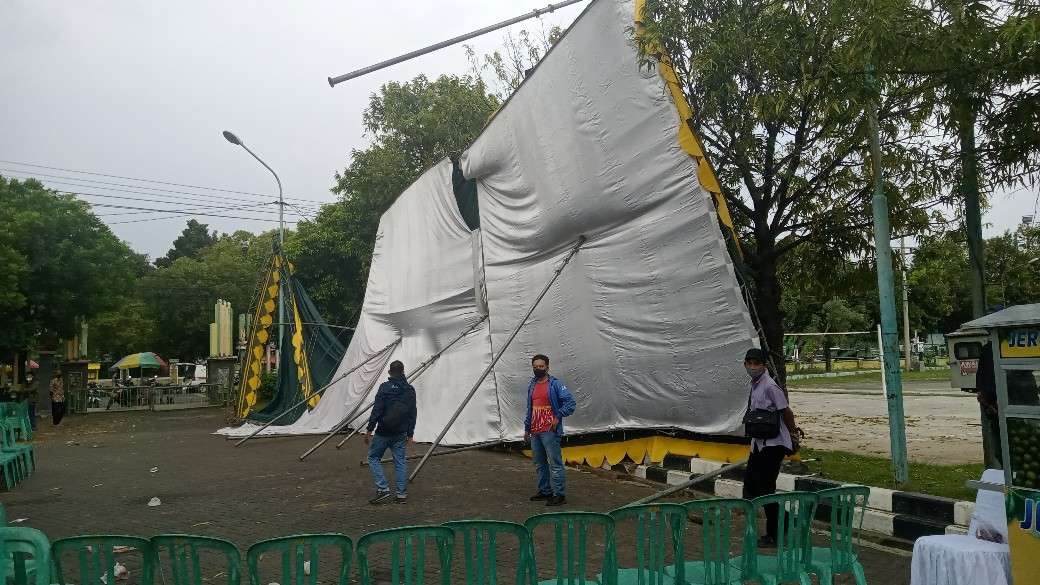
x=143, y=89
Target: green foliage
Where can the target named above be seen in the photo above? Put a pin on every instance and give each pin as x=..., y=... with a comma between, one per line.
x=192, y=240
x=937, y=480
x=940, y=300
x=519, y=54
x=268, y=385
x=180, y=298
x=413, y=125
x=59, y=265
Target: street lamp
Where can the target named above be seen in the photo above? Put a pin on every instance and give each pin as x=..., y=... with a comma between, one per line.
x=230, y=137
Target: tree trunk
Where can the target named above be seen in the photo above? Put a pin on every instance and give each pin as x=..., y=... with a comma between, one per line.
x=770, y=317
x=828, y=359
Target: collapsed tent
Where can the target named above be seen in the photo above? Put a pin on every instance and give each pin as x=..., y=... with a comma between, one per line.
x=646, y=324
x=312, y=351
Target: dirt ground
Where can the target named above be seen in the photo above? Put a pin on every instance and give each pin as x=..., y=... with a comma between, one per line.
x=942, y=424
x=96, y=476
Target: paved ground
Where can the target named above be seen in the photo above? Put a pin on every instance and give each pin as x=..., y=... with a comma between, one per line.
x=103, y=481
x=942, y=424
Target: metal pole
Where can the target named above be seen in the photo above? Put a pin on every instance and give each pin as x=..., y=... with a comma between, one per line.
x=410, y=376
x=353, y=414
x=364, y=462
x=881, y=359
x=692, y=482
x=886, y=295
x=498, y=356
x=417, y=53
x=319, y=392
x=906, y=303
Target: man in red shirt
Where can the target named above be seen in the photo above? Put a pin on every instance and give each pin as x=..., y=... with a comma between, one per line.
x=548, y=401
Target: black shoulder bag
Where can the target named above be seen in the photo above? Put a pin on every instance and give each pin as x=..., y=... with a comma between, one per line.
x=761, y=423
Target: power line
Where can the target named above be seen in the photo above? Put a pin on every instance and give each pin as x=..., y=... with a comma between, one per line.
x=66, y=170
x=186, y=212
x=198, y=205
x=205, y=197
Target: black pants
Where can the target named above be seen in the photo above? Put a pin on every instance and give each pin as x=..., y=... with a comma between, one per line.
x=760, y=475
x=57, y=411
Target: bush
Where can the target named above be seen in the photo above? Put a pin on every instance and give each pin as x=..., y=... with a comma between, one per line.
x=268, y=384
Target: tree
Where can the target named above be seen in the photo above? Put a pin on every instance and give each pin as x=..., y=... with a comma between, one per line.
x=413, y=125
x=518, y=56
x=59, y=264
x=192, y=240
x=780, y=91
x=180, y=297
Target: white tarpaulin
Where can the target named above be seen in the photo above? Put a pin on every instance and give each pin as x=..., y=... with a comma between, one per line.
x=646, y=324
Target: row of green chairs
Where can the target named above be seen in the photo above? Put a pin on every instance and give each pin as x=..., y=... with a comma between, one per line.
x=16, y=414
x=576, y=537
x=17, y=459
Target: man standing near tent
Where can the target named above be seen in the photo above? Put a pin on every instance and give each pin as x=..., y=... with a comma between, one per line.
x=393, y=418
x=548, y=401
x=763, y=466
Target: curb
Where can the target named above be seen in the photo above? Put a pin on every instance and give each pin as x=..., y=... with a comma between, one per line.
x=898, y=514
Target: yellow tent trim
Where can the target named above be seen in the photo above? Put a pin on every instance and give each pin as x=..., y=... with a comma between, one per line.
x=300, y=357
x=653, y=449
x=262, y=321
x=688, y=140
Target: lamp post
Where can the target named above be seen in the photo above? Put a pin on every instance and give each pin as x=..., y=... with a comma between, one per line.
x=281, y=232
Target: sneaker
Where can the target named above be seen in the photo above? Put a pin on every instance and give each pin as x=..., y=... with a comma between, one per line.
x=540, y=496
x=401, y=498
x=381, y=497
x=556, y=501
x=767, y=542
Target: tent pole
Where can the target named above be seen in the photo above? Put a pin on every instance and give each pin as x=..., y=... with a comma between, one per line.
x=498, y=356
x=365, y=70
x=353, y=414
x=411, y=375
x=364, y=462
x=318, y=393
x=692, y=482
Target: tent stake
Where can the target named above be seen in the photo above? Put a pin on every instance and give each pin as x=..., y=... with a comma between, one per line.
x=364, y=462
x=410, y=377
x=692, y=482
x=498, y=356
x=318, y=393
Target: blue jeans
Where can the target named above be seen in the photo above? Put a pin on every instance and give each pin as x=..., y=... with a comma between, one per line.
x=548, y=460
x=396, y=445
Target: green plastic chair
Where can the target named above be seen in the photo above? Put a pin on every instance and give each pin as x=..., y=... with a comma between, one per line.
x=408, y=552
x=16, y=414
x=793, y=558
x=654, y=523
x=21, y=550
x=182, y=552
x=300, y=555
x=480, y=550
x=25, y=451
x=571, y=542
x=841, y=556
x=720, y=563
x=96, y=557
x=10, y=469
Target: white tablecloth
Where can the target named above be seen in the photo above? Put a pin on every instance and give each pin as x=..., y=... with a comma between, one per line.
x=959, y=560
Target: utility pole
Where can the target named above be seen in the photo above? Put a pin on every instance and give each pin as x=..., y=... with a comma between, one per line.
x=886, y=294
x=230, y=137
x=906, y=304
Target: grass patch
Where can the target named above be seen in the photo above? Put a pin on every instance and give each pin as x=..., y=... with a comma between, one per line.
x=831, y=381
x=937, y=480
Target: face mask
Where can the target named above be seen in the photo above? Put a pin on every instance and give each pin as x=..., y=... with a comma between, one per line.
x=754, y=372
x=539, y=373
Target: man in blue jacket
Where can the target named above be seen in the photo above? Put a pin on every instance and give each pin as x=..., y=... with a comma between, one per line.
x=548, y=401
x=393, y=418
